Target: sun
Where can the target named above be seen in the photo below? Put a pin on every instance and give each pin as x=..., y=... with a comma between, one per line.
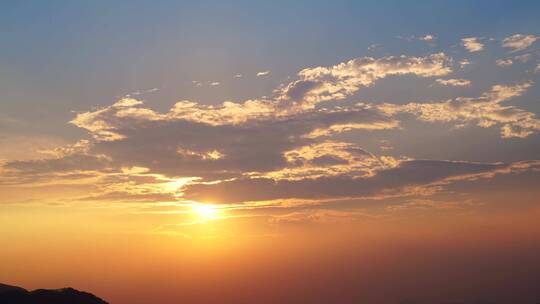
x=205, y=212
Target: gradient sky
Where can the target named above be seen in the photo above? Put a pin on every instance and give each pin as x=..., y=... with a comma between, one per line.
x=205, y=135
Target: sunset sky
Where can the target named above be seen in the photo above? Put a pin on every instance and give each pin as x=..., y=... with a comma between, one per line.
x=272, y=152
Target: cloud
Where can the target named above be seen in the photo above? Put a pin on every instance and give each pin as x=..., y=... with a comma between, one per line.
x=102, y=125
x=194, y=140
x=464, y=62
x=518, y=42
x=486, y=110
x=427, y=37
x=215, y=83
x=138, y=92
x=317, y=216
x=454, y=82
x=315, y=85
x=68, y=163
x=537, y=68
x=523, y=58
x=504, y=62
x=290, y=145
x=27, y=147
x=227, y=140
x=427, y=204
x=263, y=73
x=321, y=84
x=374, y=47
x=285, y=136
x=238, y=76
x=409, y=178
x=74, y=170
x=7, y=122
x=328, y=158
x=213, y=142
x=472, y=44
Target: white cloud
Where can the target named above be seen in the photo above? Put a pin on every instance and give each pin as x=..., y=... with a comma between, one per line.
x=523, y=58
x=464, y=62
x=486, y=110
x=283, y=145
x=263, y=73
x=518, y=42
x=454, y=82
x=472, y=44
x=504, y=62
x=136, y=93
x=337, y=82
x=427, y=37
x=328, y=158
x=374, y=47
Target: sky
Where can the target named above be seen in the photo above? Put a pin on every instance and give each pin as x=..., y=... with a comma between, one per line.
x=291, y=152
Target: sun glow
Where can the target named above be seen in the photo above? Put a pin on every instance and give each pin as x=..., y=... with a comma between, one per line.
x=205, y=212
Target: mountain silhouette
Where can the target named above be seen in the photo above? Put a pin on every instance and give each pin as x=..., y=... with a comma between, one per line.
x=17, y=295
